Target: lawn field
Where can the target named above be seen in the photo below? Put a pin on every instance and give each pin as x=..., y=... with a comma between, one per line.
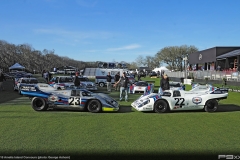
x=127, y=132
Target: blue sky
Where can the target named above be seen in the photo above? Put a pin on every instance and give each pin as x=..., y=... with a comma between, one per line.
x=119, y=30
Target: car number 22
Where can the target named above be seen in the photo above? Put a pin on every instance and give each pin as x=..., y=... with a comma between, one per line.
x=74, y=101
x=179, y=101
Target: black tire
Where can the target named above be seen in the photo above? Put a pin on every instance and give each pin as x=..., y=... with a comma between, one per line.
x=39, y=104
x=101, y=84
x=161, y=106
x=94, y=106
x=211, y=105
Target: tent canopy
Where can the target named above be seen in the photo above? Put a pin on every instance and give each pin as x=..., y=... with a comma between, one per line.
x=16, y=66
x=163, y=68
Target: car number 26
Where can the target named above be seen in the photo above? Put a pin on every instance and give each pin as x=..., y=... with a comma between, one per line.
x=74, y=101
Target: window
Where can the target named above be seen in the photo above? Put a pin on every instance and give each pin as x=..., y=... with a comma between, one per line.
x=176, y=94
x=167, y=94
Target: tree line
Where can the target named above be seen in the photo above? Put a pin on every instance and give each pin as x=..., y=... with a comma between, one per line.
x=32, y=59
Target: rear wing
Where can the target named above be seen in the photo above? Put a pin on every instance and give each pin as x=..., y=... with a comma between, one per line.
x=220, y=91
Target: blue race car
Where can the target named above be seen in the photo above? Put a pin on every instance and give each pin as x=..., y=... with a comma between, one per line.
x=46, y=97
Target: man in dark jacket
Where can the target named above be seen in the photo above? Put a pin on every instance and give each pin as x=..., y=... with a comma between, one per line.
x=124, y=81
x=76, y=80
x=2, y=78
x=116, y=79
x=164, y=84
x=109, y=82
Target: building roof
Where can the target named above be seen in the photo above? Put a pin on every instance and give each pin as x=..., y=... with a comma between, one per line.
x=229, y=54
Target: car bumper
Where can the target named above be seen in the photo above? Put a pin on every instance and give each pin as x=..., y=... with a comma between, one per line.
x=107, y=109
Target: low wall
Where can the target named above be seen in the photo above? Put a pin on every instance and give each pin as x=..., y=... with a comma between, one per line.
x=232, y=83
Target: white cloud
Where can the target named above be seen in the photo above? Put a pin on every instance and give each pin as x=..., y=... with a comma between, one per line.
x=129, y=47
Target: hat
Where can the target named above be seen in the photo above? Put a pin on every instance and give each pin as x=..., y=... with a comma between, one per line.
x=165, y=74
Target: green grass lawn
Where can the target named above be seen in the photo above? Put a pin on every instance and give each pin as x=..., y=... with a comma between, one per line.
x=60, y=132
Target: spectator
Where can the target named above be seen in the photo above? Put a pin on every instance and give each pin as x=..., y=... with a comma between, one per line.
x=109, y=82
x=2, y=78
x=49, y=76
x=76, y=80
x=45, y=75
x=124, y=81
x=116, y=79
x=164, y=84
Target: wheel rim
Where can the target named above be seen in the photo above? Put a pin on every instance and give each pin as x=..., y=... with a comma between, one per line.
x=160, y=107
x=38, y=103
x=94, y=106
x=101, y=84
x=211, y=105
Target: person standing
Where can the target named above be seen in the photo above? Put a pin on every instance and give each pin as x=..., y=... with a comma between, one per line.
x=109, y=82
x=164, y=84
x=45, y=75
x=2, y=78
x=116, y=79
x=76, y=80
x=123, y=86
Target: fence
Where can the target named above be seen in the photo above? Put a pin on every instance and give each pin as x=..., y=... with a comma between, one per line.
x=211, y=75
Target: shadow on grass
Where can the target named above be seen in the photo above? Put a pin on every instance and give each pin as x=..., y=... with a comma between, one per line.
x=228, y=108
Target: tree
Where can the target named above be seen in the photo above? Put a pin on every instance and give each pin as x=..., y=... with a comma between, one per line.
x=173, y=55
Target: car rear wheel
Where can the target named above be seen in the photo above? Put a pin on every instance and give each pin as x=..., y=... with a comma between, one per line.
x=39, y=104
x=101, y=84
x=161, y=106
x=94, y=106
x=211, y=105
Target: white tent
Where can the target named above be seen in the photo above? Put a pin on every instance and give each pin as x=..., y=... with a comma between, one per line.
x=163, y=68
x=16, y=66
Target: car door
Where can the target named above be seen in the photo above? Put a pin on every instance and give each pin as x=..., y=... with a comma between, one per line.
x=75, y=99
x=179, y=101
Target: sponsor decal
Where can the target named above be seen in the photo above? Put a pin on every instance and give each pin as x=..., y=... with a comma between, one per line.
x=196, y=100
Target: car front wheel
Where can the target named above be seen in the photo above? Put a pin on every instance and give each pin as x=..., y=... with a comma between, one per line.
x=161, y=106
x=211, y=105
x=39, y=104
x=94, y=106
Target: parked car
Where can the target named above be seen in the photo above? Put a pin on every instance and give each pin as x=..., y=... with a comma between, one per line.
x=63, y=82
x=153, y=74
x=142, y=86
x=17, y=86
x=91, y=86
x=177, y=100
x=45, y=97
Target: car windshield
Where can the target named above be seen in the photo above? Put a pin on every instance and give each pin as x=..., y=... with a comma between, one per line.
x=141, y=84
x=33, y=81
x=65, y=79
x=84, y=79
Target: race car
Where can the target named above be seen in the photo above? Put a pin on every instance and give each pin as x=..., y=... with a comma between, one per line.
x=142, y=86
x=176, y=100
x=22, y=81
x=173, y=86
x=197, y=87
x=45, y=97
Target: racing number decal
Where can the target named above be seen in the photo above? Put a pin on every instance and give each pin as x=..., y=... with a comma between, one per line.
x=180, y=102
x=74, y=101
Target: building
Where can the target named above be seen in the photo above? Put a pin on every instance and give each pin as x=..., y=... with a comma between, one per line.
x=225, y=58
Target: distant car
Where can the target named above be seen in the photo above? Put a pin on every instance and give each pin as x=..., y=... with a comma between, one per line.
x=153, y=74
x=63, y=82
x=142, y=86
x=22, y=81
x=131, y=79
x=45, y=97
x=173, y=86
x=91, y=86
x=176, y=100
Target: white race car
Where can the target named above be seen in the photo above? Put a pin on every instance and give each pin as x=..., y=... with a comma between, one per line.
x=202, y=87
x=142, y=86
x=175, y=100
